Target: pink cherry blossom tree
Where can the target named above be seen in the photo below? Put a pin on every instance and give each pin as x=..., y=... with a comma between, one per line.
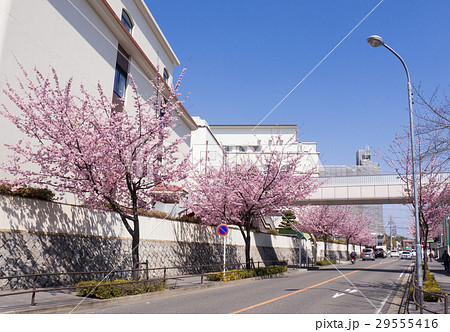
x=365, y=237
x=433, y=184
x=322, y=220
x=353, y=226
x=247, y=187
x=79, y=143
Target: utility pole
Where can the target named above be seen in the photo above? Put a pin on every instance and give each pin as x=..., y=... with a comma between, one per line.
x=390, y=229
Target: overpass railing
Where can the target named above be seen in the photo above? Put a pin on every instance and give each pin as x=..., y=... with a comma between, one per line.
x=372, y=179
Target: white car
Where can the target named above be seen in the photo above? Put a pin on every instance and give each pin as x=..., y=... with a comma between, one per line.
x=395, y=253
x=406, y=255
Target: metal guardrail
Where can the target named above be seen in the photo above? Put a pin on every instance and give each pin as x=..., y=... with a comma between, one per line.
x=212, y=268
x=419, y=293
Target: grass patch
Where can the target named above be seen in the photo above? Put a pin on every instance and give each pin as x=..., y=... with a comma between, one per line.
x=117, y=288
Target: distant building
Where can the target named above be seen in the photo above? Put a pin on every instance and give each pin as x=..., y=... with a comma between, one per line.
x=364, y=166
x=253, y=140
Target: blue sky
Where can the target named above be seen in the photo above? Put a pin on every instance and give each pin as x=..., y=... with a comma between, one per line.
x=245, y=56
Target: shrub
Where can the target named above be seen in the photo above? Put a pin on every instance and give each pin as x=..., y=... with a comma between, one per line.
x=26, y=192
x=242, y=273
x=430, y=285
x=110, y=289
x=323, y=263
x=272, y=231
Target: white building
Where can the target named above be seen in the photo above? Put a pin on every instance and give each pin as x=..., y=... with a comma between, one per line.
x=205, y=147
x=90, y=40
x=252, y=140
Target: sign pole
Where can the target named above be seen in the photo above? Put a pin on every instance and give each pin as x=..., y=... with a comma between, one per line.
x=224, y=255
x=223, y=230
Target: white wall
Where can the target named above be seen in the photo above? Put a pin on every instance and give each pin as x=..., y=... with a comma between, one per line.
x=206, y=150
x=22, y=214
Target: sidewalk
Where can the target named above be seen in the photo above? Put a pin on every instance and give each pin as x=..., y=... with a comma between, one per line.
x=443, y=279
x=66, y=298
x=66, y=301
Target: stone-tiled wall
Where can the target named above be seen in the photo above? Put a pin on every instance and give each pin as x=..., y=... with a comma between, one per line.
x=43, y=237
x=27, y=253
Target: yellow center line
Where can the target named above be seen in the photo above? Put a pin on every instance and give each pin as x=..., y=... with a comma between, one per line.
x=306, y=288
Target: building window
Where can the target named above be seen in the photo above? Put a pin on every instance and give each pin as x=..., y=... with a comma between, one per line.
x=165, y=75
x=120, y=81
x=126, y=21
x=121, y=75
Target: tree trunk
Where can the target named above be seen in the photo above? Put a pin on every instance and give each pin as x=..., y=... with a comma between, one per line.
x=348, y=255
x=246, y=234
x=135, y=247
x=325, y=247
x=247, y=252
x=425, y=256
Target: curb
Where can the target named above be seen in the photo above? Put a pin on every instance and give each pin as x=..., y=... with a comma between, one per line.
x=68, y=308
x=395, y=306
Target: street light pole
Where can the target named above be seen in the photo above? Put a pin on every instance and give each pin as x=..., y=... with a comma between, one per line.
x=376, y=41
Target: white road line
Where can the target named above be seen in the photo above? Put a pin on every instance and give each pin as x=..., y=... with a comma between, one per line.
x=378, y=311
x=337, y=295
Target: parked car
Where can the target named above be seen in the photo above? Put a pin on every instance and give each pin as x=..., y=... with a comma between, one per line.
x=368, y=254
x=406, y=254
x=380, y=253
x=395, y=253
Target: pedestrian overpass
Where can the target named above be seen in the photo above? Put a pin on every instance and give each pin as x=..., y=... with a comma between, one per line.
x=362, y=189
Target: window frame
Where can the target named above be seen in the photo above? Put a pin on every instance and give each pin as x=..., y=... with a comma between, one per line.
x=127, y=21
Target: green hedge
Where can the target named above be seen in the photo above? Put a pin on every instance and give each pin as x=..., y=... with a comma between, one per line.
x=242, y=273
x=26, y=192
x=323, y=263
x=116, y=288
x=429, y=285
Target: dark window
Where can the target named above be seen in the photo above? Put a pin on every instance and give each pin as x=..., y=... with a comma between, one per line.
x=126, y=20
x=120, y=81
x=165, y=75
x=120, y=78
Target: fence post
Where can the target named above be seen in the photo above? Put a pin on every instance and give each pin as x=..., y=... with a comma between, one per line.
x=421, y=301
x=201, y=276
x=165, y=274
x=146, y=269
x=33, y=295
x=446, y=303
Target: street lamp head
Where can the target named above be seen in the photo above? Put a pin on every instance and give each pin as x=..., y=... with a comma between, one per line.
x=375, y=41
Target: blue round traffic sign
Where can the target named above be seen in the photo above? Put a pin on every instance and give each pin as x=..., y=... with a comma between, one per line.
x=222, y=230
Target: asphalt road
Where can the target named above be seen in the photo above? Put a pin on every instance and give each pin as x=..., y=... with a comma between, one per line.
x=364, y=288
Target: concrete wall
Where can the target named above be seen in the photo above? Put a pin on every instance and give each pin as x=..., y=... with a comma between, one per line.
x=38, y=236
